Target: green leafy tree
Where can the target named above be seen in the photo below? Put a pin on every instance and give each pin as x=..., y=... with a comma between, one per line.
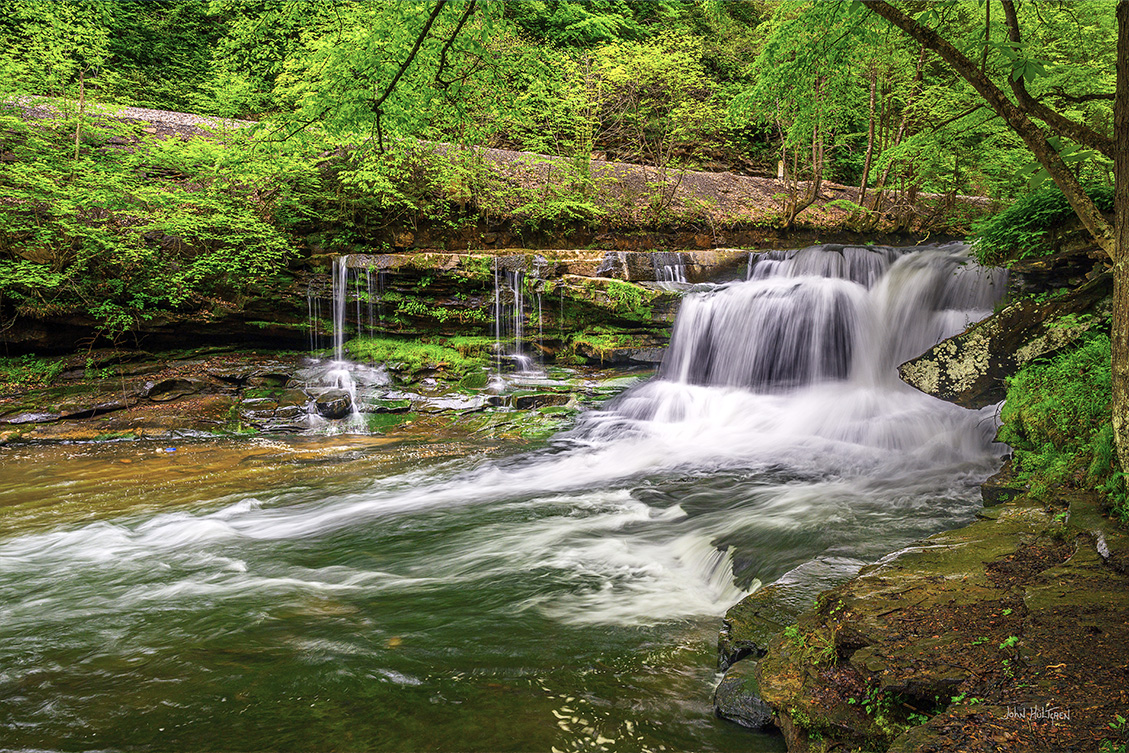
x=1053, y=132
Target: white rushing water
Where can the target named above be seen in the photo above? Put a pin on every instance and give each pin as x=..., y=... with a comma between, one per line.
x=777, y=439
x=793, y=369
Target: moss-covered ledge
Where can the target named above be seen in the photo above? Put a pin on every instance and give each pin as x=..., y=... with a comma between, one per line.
x=1011, y=633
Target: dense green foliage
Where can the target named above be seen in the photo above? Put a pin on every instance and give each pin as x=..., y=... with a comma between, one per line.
x=1021, y=230
x=352, y=95
x=1057, y=421
x=87, y=228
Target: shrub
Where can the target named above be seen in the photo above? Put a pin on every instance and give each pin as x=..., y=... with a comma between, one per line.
x=1020, y=231
x=1057, y=420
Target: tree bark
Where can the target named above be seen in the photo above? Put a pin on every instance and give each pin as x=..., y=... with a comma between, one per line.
x=869, y=137
x=1119, y=330
x=81, y=104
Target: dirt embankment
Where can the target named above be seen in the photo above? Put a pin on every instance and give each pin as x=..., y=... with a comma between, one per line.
x=719, y=208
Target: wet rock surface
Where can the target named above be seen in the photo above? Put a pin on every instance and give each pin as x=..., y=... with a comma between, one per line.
x=737, y=698
x=1009, y=634
x=334, y=404
x=209, y=392
x=970, y=369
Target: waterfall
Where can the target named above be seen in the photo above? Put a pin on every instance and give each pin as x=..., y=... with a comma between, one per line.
x=340, y=298
x=244, y=607
x=860, y=264
x=669, y=266
x=828, y=313
x=510, y=318
x=805, y=352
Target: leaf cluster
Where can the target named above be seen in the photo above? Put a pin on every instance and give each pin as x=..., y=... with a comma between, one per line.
x=1022, y=230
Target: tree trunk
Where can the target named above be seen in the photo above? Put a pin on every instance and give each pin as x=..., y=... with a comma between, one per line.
x=1016, y=118
x=1119, y=331
x=880, y=185
x=78, y=120
x=869, y=137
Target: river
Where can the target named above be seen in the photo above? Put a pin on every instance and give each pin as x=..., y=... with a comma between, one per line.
x=414, y=593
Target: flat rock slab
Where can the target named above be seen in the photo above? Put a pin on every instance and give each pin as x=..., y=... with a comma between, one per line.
x=1012, y=632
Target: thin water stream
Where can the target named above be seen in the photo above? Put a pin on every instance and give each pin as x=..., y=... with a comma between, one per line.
x=353, y=593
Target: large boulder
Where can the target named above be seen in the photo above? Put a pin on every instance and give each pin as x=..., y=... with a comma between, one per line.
x=334, y=404
x=970, y=368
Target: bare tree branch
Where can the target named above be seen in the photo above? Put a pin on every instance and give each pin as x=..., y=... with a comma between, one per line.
x=404, y=67
x=1016, y=118
x=446, y=48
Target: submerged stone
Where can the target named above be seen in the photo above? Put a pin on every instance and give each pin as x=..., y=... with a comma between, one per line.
x=737, y=697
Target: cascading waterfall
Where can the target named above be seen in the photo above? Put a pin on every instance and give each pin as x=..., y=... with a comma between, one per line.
x=340, y=302
x=828, y=313
x=669, y=266
x=351, y=298
x=776, y=440
x=808, y=348
x=510, y=317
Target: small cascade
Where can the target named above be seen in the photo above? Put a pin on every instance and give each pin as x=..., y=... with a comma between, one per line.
x=340, y=300
x=770, y=335
x=828, y=313
x=313, y=309
x=510, y=318
x=860, y=264
x=355, y=304
x=670, y=266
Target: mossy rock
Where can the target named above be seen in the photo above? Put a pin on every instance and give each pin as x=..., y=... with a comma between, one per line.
x=475, y=381
x=737, y=697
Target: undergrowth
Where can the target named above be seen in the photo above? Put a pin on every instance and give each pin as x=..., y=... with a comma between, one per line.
x=1057, y=421
x=1020, y=231
x=29, y=370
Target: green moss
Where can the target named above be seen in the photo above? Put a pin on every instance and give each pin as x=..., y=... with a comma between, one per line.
x=475, y=381
x=411, y=355
x=630, y=299
x=480, y=346
x=259, y=392
x=416, y=308
x=109, y=436
x=378, y=422
x=601, y=340
x=477, y=267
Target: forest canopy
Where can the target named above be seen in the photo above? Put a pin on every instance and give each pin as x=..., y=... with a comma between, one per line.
x=342, y=94
x=722, y=85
